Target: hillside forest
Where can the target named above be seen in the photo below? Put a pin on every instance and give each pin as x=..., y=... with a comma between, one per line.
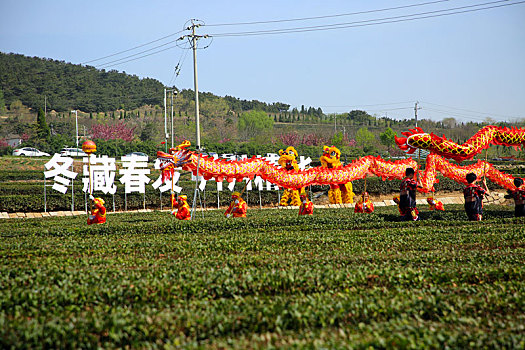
x=43, y=100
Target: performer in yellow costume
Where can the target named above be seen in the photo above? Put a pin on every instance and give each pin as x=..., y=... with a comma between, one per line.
x=337, y=194
x=288, y=161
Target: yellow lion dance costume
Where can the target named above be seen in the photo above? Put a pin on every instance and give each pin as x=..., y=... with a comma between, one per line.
x=288, y=161
x=337, y=194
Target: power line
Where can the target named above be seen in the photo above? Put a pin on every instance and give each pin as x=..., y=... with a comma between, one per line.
x=464, y=115
x=372, y=105
x=327, y=16
x=385, y=20
x=468, y=110
x=370, y=22
x=133, y=48
x=135, y=54
x=134, y=59
x=179, y=65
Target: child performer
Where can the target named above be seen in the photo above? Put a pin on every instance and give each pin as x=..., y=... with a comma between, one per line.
x=237, y=208
x=474, y=197
x=183, y=208
x=98, y=213
x=364, y=204
x=407, y=197
x=519, y=197
x=307, y=207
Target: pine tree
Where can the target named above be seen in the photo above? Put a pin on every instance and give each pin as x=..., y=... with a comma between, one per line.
x=2, y=101
x=42, y=129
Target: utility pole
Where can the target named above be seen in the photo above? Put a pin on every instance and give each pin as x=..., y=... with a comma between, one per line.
x=172, y=92
x=76, y=124
x=416, y=108
x=193, y=42
x=165, y=124
x=196, y=85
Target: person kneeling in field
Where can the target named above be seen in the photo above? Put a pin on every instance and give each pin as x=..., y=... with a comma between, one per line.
x=407, y=197
x=98, y=213
x=307, y=207
x=519, y=197
x=237, y=208
x=474, y=197
x=364, y=205
x=183, y=208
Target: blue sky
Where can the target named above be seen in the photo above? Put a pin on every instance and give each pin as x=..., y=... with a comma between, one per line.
x=469, y=66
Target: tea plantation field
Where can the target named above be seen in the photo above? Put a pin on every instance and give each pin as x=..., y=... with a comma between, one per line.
x=334, y=280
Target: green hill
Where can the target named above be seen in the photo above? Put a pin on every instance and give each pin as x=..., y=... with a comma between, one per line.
x=69, y=86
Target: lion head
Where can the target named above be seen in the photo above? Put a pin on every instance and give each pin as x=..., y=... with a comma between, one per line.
x=288, y=159
x=331, y=157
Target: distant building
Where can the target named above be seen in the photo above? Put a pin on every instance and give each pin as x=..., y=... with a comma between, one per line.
x=13, y=140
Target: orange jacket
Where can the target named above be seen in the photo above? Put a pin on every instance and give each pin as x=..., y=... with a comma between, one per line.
x=183, y=212
x=306, y=208
x=98, y=214
x=237, y=210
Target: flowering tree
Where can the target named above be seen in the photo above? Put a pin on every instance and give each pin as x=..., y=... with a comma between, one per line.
x=113, y=131
x=4, y=147
x=294, y=139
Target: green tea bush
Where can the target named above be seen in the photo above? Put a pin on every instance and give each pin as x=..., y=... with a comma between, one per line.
x=333, y=280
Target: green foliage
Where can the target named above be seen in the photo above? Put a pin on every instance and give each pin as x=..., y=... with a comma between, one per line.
x=148, y=132
x=42, y=129
x=388, y=137
x=254, y=123
x=337, y=140
x=365, y=139
x=334, y=280
x=360, y=117
x=2, y=101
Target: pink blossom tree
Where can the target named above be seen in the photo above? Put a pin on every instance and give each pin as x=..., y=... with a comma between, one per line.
x=113, y=132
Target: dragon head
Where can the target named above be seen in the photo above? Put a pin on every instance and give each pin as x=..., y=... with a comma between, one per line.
x=288, y=159
x=178, y=157
x=411, y=140
x=331, y=157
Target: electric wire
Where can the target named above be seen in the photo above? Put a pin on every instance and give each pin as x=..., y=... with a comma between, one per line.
x=459, y=114
x=370, y=105
x=107, y=65
x=178, y=67
x=135, y=54
x=394, y=19
x=133, y=48
x=467, y=110
x=371, y=22
x=327, y=16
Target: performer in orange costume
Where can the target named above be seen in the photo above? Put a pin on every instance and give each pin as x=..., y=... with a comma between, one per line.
x=307, y=207
x=237, y=208
x=364, y=205
x=434, y=204
x=98, y=213
x=182, y=206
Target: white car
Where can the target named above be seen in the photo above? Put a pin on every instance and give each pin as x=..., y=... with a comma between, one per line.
x=72, y=152
x=30, y=152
